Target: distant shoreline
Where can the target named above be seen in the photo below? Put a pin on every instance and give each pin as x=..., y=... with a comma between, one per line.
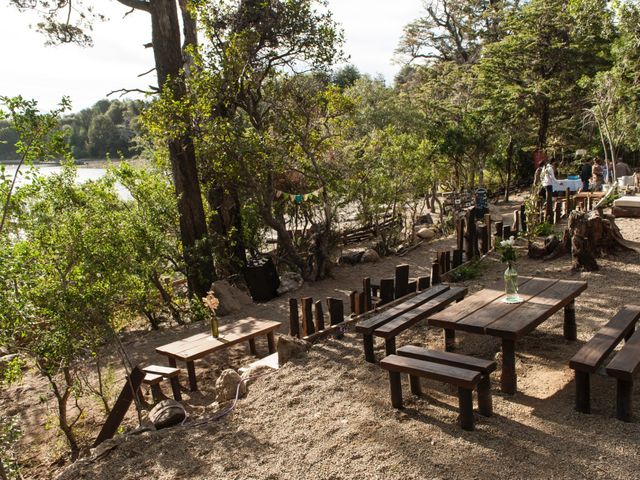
x=82, y=162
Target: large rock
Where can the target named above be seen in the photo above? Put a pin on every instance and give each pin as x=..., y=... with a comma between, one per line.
x=251, y=374
x=290, y=347
x=424, y=220
x=426, y=233
x=227, y=385
x=231, y=299
x=370, y=256
x=167, y=413
x=289, y=281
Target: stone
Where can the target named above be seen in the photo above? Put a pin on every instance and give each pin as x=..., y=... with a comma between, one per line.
x=350, y=258
x=290, y=347
x=424, y=220
x=370, y=256
x=227, y=385
x=212, y=407
x=289, y=281
x=167, y=413
x=251, y=374
x=426, y=233
x=231, y=299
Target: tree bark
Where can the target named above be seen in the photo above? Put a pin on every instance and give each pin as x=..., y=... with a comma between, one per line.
x=509, y=165
x=167, y=51
x=543, y=124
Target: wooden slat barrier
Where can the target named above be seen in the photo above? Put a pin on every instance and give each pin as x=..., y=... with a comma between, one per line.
x=294, y=319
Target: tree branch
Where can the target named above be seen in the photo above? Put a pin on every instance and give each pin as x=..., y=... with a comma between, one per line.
x=136, y=4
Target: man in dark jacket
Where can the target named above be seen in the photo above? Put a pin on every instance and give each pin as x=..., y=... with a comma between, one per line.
x=585, y=174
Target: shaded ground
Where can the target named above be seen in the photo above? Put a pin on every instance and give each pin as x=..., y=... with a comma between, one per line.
x=328, y=415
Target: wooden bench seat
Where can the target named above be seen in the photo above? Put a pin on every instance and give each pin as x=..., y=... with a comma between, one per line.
x=367, y=327
x=391, y=329
x=466, y=380
x=154, y=374
x=625, y=364
x=485, y=367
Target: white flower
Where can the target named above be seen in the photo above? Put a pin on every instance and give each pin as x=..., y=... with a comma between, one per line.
x=511, y=240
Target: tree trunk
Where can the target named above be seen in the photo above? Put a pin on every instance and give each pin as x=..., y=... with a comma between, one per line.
x=193, y=228
x=543, y=124
x=509, y=165
x=227, y=225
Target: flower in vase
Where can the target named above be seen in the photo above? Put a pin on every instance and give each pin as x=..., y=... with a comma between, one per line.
x=507, y=250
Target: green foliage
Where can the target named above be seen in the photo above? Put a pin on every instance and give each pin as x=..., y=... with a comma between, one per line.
x=468, y=271
x=543, y=229
x=10, y=433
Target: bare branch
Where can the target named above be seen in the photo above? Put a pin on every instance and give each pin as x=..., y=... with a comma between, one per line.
x=136, y=4
x=124, y=91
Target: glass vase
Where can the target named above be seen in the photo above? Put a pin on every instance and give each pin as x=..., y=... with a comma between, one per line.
x=214, y=326
x=511, y=285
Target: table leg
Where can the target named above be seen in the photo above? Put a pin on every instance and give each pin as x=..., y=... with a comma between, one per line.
x=449, y=340
x=570, y=321
x=175, y=388
x=390, y=345
x=271, y=341
x=252, y=346
x=172, y=362
x=508, y=379
x=191, y=370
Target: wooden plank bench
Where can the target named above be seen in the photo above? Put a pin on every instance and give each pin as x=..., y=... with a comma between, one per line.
x=623, y=367
x=367, y=327
x=391, y=329
x=484, y=367
x=465, y=380
x=155, y=374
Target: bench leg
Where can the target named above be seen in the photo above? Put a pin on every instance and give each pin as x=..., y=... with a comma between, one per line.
x=175, y=388
x=623, y=400
x=465, y=398
x=156, y=393
x=583, y=397
x=396, y=389
x=570, y=321
x=485, y=403
x=271, y=342
x=191, y=370
x=414, y=381
x=508, y=380
x=252, y=346
x=368, y=348
x=390, y=345
x=449, y=340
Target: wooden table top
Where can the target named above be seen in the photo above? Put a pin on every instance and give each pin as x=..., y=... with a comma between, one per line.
x=197, y=346
x=485, y=312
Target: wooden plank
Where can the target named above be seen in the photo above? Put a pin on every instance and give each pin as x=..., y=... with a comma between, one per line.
x=537, y=310
x=152, y=379
x=307, y=316
x=423, y=283
x=336, y=310
x=402, y=280
x=121, y=406
x=626, y=363
x=319, y=315
x=444, y=373
x=497, y=309
x=294, y=319
x=407, y=320
x=595, y=351
x=370, y=324
x=386, y=290
x=448, y=358
x=161, y=370
x=366, y=289
x=435, y=273
x=471, y=304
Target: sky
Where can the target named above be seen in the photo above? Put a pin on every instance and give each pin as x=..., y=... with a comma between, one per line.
x=372, y=30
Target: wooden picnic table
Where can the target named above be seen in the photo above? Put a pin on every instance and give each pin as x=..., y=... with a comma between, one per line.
x=198, y=346
x=486, y=313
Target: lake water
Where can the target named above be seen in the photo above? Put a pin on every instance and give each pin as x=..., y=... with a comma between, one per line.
x=84, y=174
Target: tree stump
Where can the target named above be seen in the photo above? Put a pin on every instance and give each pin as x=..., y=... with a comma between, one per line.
x=589, y=235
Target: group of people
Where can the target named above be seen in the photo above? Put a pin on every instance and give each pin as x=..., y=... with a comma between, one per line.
x=593, y=173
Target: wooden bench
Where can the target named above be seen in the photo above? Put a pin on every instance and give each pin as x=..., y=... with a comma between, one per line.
x=368, y=326
x=155, y=374
x=484, y=367
x=390, y=330
x=623, y=367
x=465, y=380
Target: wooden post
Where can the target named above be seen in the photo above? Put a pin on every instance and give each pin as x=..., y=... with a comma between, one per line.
x=499, y=230
x=435, y=273
x=460, y=233
x=465, y=399
x=423, y=283
x=402, y=280
x=506, y=232
x=485, y=404
x=569, y=328
x=319, y=314
x=294, y=319
x=386, y=290
x=336, y=310
x=516, y=222
x=307, y=316
x=447, y=260
x=352, y=301
x=549, y=207
x=487, y=222
x=583, y=396
x=557, y=213
x=413, y=286
x=457, y=258
x=396, y=389
x=366, y=288
x=567, y=204
x=442, y=262
x=484, y=242
x=624, y=395
x=121, y=406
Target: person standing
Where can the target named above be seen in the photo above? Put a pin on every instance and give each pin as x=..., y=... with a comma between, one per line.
x=597, y=176
x=622, y=169
x=585, y=174
x=548, y=179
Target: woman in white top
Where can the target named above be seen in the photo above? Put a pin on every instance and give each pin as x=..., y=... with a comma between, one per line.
x=548, y=178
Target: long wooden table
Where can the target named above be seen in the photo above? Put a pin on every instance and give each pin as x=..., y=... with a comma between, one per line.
x=198, y=346
x=485, y=312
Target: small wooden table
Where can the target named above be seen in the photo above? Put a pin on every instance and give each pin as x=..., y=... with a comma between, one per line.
x=200, y=345
x=485, y=312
